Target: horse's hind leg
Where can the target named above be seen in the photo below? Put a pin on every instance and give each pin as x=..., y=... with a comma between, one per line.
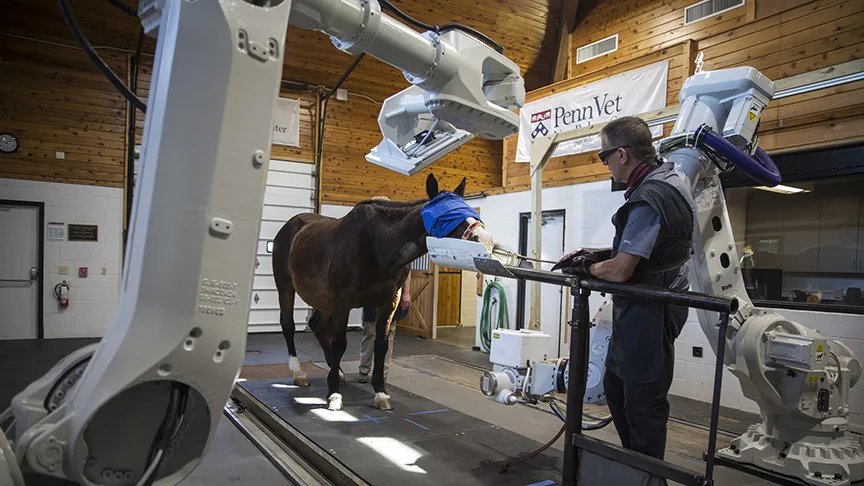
x=382, y=330
x=338, y=344
x=286, y=320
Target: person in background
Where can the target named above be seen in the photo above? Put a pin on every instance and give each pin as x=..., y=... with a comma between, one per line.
x=653, y=240
x=367, y=344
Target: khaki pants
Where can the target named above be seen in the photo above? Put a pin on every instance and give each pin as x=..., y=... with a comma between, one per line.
x=367, y=348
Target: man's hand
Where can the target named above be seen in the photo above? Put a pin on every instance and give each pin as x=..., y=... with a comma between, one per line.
x=406, y=300
x=579, y=261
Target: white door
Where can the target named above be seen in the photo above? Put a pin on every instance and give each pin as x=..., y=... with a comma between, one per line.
x=551, y=296
x=19, y=271
x=290, y=190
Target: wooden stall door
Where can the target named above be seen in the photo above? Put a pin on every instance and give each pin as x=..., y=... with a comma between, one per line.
x=449, y=297
x=420, y=320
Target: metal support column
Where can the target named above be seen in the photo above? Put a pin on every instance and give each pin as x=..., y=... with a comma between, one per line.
x=580, y=323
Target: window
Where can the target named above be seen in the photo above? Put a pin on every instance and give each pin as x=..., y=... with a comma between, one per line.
x=803, y=243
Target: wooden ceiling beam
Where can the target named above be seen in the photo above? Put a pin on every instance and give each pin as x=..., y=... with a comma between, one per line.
x=566, y=25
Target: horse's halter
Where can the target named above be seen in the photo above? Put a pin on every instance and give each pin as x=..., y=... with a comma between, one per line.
x=476, y=231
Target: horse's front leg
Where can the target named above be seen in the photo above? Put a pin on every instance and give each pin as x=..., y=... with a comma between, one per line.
x=382, y=331
x=338, y=344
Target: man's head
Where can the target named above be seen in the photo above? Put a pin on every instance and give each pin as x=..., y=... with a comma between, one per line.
x=625, y=143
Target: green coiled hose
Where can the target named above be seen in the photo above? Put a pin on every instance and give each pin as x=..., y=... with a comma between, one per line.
x=486, y=314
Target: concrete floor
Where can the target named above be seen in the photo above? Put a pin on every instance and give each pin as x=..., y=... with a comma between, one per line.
x=442, y=372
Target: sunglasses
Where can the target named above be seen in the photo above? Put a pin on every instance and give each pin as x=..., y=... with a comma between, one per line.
x=605, y=154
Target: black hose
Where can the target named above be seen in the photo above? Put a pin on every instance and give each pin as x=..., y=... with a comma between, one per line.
x=125, y=8
x=69, y=18
x=167, y=430
x=130, y=145
x=534, y=454
x=322, y=108
x=443, y=28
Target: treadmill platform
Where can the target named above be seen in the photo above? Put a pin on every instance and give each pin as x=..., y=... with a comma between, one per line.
x=419, y=442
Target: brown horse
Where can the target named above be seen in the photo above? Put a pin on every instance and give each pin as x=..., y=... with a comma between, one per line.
x=361, y=259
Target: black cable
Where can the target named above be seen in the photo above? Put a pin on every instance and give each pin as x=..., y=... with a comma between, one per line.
x=322, y=108
x=534, y=454
x=441, y=29
x=130, y=146
x=167, y=430
x=345, y=75
x=69, y=18
x=475, y=33
x=125, y=8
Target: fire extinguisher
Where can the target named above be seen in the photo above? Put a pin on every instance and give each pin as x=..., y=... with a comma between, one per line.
x=61, y=291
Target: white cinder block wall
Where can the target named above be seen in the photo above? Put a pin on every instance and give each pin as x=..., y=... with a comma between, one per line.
x=93, y=299
x=589, y=209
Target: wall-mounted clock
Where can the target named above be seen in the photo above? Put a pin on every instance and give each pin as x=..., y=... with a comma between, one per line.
x=8, y=143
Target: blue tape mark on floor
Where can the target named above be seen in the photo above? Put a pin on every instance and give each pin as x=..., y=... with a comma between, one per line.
x=415, y=423
x=389, y=411
x=430, y=411
x=374, y=419
x=544, y=483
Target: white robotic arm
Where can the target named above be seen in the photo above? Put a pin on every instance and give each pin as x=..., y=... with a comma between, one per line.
x=799, y=379
x=143, y=405
x=461, y=87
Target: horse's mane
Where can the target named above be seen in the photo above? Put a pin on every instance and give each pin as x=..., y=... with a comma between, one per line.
x=391, y=204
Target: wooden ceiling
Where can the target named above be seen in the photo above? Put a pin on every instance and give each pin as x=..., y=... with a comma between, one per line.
x=525, y=28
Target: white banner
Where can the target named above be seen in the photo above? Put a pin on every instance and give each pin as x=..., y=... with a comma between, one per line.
x=286, y=122
x=629, y=93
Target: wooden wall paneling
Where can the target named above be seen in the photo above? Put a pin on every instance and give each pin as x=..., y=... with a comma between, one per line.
x=51, y=99
x=800, y=37
x=765, y=8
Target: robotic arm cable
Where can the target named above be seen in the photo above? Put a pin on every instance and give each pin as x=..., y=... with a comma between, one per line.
x=115, y=80
x=443, y=28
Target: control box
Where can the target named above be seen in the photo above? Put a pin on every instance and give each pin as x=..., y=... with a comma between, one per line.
x=514, y=349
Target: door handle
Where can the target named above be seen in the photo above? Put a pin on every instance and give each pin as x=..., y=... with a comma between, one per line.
x=34, y=274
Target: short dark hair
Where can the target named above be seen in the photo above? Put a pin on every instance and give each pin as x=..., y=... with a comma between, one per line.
x=630, y=132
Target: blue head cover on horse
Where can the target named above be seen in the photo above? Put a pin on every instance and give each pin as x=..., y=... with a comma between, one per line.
x=445, y=213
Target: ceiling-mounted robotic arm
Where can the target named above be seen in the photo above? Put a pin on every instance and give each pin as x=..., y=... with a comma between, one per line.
x=142, y=406
x=461, y=86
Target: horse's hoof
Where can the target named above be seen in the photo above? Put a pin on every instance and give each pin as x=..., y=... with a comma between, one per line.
x=301, y=381
x=383, y=402
x=334, y=402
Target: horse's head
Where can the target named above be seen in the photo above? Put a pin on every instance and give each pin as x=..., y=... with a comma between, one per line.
x=447, y=215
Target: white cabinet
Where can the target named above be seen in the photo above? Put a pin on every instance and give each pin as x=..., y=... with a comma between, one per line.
x=838, y=232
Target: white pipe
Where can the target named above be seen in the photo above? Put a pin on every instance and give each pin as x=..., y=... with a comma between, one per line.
x=357, y=26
